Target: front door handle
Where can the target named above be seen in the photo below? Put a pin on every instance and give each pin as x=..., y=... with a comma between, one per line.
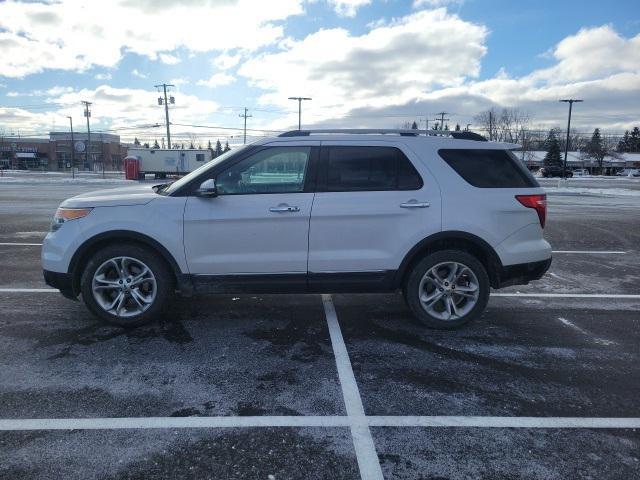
x=414, y=204
x=284, y=208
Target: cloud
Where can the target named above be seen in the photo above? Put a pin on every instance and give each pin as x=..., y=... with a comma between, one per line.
x=36, y=36
x=168, y=59
x=347, y=8
x=388, y=65
x=217, y=80
x=226, y=61
x=102, y=76
x=111, y=108
x=435, y=3
x=136, y=73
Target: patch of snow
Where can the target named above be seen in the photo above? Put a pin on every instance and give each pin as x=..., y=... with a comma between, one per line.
x=596, y=192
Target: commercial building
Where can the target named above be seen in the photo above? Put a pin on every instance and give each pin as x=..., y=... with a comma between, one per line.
x=58, y=152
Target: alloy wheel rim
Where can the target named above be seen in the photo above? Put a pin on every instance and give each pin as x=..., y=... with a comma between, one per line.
x=448, y=291
x=124, y=287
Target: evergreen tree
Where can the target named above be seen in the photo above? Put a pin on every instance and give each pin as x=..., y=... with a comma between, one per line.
x=146, y=145
x=218, y=150
x=192, y=146
x=552, y=158
x=156, y=144
x=624, y=145
x=634, y=140
x=595, y=149
x=136, y=142
x=226, y=147
x=414, y=125
x=457, y=127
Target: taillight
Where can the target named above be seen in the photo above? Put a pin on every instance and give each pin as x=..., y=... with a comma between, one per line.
x=538, y=203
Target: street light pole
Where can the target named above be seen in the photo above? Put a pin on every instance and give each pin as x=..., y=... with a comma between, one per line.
x=570, y=101
x=300, y=99
x=87, y=113
x=73, y=158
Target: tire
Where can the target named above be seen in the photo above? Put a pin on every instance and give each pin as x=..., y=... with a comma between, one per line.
x=429, y=279
x=146, y=296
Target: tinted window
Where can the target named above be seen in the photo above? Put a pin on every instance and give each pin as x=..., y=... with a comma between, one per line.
x=370, y=168
x=272, y=170
x=489, y=168
x=199, y=157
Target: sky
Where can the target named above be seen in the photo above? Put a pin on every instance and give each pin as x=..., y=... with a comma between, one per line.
x=364, y=63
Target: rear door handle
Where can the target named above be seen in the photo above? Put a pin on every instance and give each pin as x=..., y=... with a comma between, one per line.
x=414, y=204
x=284, y=208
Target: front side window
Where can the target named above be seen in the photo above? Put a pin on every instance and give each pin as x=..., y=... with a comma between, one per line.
x=370, y=169
x=271, y=170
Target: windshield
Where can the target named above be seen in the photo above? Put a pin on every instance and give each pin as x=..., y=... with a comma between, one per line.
x=187, y=178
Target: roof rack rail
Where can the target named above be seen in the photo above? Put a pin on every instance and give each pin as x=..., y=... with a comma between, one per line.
x=385, y=131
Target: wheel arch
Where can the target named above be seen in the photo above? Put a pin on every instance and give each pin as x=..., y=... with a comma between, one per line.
x=93, y=244
x=452, y=240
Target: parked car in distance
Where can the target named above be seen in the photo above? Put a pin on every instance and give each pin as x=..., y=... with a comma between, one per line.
x=442, y=219
x=629, y=172
x=581, y=172
x=548, y=172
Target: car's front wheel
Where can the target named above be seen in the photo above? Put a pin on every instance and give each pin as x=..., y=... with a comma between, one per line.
x=126, y=285
x=447, y=289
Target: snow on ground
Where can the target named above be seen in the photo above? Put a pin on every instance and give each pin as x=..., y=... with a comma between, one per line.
x=28, y=180
x=598, y=192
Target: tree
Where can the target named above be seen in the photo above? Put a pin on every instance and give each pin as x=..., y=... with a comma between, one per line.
x=634, y=140
x=146, y=145
x=624, y=145
x=414, y=125
x=598, y=148
x=457, y=127
x=504, y=125
x=218, y=150
x=192, y=146
x=552, y=158
x=136, y=142
x=156, y=144
x=226, y=147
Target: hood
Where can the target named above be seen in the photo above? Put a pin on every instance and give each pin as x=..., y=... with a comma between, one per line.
x=113, y=197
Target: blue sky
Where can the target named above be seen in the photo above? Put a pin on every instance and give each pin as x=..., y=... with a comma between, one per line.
x=365, y=62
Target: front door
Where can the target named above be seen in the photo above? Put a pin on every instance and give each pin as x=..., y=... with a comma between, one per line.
x=259, y=222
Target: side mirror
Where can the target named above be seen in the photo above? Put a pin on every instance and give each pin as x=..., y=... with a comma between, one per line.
x=207, y=189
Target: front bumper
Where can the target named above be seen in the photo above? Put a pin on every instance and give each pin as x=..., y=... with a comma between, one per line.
x=522, y=273
x=61, y=281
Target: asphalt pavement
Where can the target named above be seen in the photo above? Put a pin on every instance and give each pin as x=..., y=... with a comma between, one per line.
x=545, y=385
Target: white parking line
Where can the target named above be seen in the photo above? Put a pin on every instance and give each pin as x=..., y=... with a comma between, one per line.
x=29, y=290
x=18, y=244
x=365, y=449
x=601, y=341
x=140, y=423
x=593, y=252
x=567, y=295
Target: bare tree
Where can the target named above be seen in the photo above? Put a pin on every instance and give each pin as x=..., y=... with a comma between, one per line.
x=503, y=125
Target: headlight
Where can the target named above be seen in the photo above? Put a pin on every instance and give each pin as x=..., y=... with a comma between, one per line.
x=67, y=214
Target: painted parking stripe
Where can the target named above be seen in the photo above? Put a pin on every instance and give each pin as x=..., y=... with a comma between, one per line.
x=591, y=252
x=29, y=290
x=137, y=423
x=568, y=295
x=504, y=422
x=368, y=462
x=18, y=244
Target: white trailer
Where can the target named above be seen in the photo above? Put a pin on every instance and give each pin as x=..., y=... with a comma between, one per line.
x=163, y=162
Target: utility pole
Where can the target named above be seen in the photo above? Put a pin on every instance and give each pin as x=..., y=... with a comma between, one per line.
x=300, y=99
x=73, y=147
x=87, y=114
x=570, y=101
x=164, y=101
x=442, y=119
x=426, y=126
x=245, y=116
x=468, y=125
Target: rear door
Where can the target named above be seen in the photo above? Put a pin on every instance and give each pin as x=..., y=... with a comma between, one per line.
x=374, y=202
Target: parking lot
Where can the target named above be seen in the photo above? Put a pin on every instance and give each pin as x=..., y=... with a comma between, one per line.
x=545, y=385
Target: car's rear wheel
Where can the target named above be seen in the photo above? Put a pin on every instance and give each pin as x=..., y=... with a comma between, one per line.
x=447, y=289
x=126, y=285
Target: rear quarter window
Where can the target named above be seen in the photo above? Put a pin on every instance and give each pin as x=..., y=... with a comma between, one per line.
x=489, y=168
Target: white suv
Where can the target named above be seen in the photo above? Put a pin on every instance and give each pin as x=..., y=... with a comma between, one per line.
x=442, y=219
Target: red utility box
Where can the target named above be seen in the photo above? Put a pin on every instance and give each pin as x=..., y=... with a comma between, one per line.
x=131, y=168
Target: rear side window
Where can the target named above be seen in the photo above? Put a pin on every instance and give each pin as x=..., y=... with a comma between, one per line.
x=489, y=168
x=370, y=169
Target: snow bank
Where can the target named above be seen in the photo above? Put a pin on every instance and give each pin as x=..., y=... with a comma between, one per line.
x=596, y=192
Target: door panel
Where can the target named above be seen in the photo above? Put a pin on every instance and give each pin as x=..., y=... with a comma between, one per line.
x=259, y=222
x=358, y=231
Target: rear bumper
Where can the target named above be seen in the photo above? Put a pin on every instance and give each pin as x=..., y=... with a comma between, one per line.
x=61, y=281
x=522, y=273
